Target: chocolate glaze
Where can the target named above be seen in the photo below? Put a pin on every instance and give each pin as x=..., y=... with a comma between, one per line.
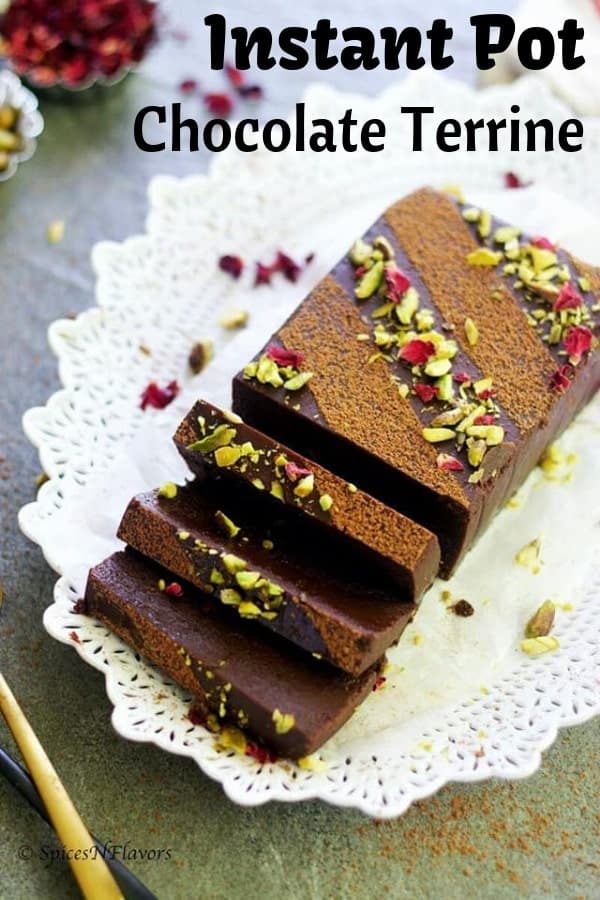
x=329, y=607
x=380, y=536
x=234, y=671
x=531, y=413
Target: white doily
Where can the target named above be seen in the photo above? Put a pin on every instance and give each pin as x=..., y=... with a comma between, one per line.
x=461, y=701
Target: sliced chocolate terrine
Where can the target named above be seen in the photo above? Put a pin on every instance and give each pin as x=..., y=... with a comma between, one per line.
x=434, y=364
x=268, y=570
x=220, y=445
x=236, y=674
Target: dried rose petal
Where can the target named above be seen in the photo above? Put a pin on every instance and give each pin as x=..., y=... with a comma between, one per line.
x=513, y=181
x=74, y=637
x=308, y=259
x=569, y=298
x=251, y=92
x=233, y=265
x=189, y=86
x=449, y=463
x=397, y=283
x=425, y=392
x=287, y=266
x=196, y=717
x=174, y=589
x=543, y=243
x=219, y=104
x=578, y=341
x=462, y=377
x=295, y=473
x=77, y=39
x=260, y=753
x=484, y=420
x=561, y=380
x=487, y=394
x=417, y=352
x=379, y=683
x=157, y=397
x=285, y=357
x=234, y=76
x=263, y=274
x=359, y=272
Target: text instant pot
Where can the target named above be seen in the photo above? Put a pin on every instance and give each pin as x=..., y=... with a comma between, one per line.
x=158, y=128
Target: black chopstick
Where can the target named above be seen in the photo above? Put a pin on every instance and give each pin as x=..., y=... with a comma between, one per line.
x=132, y=888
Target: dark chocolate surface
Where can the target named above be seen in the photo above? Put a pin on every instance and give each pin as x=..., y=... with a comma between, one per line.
x=327, y=606
x=349, y=414
x=234, y=671
x=384, y=537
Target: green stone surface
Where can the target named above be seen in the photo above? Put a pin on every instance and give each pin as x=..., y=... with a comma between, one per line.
x=537, y=838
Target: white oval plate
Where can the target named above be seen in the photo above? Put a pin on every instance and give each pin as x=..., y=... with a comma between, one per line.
x=461, y=702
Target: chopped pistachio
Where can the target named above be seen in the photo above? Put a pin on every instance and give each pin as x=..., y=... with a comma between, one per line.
x=541, y=258
x=183, y=535
x=277, y=490
x=230, y=597
x=284, y=722
x=233, y=563
x=247, y=580
x=471, y=214
x=220, y=437
x=200, y=355
x=403, y=390
x=484, y=226
x=449, y=417
x=408, y=306
x=454, y=190
x=541, y=622
x=491, y=434
x=226, y=525
x=529, y=556
x=585, y=284
x=352, y=487
x=297, y=381
x=483, y=256
x=168, y=490
x=476, y=450
x=472, y=332
x=436, y=435
x=56, y=231
x=382, y=244
x=537, y=645
x=162, y=584
x=250, y=370
x=438, y=367
x=216, y=577
x=360, y=252
x=369, y=282
x=267, y=544
x=445, y=387
x=227, y=456
x=312, y=763
x=234, y=318
x=424, y=320
x=325, y=502
x=231, y=738
x=267, y=372
x=505, y=234
x=305, y=486
x=484, y=384
x=249, y=610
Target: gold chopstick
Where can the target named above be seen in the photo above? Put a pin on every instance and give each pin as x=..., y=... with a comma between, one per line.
x=92, y=873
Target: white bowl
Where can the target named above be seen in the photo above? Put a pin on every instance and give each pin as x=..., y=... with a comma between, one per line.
x=31, y=123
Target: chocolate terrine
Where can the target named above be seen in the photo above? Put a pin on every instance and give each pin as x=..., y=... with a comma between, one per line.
x=434, y=364
x=273, y=692
x=219, y=445
x=268, y=571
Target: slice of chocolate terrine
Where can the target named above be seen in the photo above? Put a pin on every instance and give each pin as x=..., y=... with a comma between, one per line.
x=273, y=692
x=434, y=365
x=268, y=570
x=220, y=445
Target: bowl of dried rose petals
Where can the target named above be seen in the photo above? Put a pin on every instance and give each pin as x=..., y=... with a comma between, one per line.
x=20, y=124
x=62, y=50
